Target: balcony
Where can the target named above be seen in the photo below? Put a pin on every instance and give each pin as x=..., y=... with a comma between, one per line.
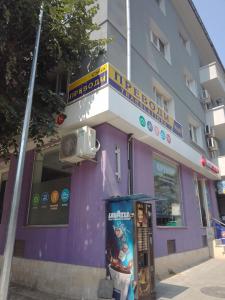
x=215, y=117
x=213, y=80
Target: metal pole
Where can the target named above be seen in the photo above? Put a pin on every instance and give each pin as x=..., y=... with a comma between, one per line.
x=128, y=40
x=10, y=240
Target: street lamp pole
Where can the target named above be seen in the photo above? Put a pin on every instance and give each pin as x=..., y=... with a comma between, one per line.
x=10, y=239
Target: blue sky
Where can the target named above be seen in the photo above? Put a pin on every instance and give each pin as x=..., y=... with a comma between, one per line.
x=212, y=13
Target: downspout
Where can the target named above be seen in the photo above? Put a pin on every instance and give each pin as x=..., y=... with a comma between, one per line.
x=128, y=40
x=130, y=136
x=130, y=152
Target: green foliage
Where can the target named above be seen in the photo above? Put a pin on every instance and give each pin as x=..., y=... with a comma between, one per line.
x=65, y=44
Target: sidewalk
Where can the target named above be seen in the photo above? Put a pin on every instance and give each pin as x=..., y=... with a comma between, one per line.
x=20, y=293
x=203, y=282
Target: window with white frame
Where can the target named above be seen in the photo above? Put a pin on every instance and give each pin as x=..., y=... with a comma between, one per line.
x=190, y=83
x=159, y=41
x=195, y=132
x=3, y=182
x=167, y=191
x=185, y=42
x=162, y=6
x=163, y=98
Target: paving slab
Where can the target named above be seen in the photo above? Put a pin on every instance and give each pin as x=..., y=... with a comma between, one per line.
x=17, y=292
x=202, y=282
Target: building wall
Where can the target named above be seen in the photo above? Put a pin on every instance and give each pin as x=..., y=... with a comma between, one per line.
x=189, y=236
x=148, y=64
x=82, y=242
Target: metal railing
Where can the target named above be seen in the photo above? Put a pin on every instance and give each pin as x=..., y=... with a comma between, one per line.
x=219, y=222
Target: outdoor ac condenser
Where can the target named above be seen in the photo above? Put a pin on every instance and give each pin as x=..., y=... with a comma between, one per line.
x=79, y=145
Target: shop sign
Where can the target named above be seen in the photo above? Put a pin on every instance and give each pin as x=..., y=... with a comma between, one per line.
x=88, y=83
x=209, y=165
x=143, y=102
x=107, y=74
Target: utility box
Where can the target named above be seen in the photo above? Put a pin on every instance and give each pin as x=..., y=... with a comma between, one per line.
x=129, y=247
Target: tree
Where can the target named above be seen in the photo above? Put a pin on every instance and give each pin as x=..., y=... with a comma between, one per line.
x=65, y=45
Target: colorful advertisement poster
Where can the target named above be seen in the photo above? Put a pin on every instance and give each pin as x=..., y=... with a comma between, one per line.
x=49, y=204
x=120, y=248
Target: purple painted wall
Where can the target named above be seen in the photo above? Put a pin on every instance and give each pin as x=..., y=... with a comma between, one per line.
x=188, y=237
x=82, y=242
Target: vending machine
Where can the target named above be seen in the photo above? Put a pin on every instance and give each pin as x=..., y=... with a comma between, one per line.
x=129, y=247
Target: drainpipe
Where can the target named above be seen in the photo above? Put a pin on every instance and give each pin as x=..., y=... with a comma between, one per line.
x=130, y=139
x=128, y=40
x=130, y=145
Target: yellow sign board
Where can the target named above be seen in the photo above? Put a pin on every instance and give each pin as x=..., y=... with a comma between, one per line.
x=107, y=74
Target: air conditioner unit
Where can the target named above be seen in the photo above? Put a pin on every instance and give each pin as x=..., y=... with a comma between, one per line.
x=79, y=145
x=209, y=131
x=212, y=144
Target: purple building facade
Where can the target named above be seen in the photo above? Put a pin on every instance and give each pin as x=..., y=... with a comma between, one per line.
x=82, y=241
x=170, y=159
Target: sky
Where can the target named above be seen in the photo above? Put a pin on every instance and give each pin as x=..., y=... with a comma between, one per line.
x=212, y=13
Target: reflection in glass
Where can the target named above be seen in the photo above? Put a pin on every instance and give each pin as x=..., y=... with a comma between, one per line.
x=166, y=183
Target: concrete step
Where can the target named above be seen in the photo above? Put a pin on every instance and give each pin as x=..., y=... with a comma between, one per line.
x=220, y=242
x=218, y=249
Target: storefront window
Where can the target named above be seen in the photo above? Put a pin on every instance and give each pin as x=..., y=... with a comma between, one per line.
x=202, y=204
x=200, y=196
x=50, y=194
x=167, y=190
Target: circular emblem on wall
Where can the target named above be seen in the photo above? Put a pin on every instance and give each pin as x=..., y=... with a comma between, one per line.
x=142, y=121
x=44, y=198
x=36, y=199
x=163, y=135
x=156, y=129
x=65, y=195
x=54, y=197
x=168, y=138
x=149, y=126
